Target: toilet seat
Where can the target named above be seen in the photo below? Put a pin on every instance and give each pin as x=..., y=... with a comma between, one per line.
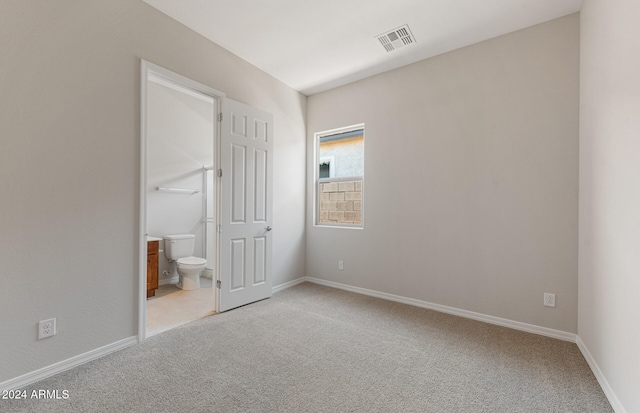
x=192, y=262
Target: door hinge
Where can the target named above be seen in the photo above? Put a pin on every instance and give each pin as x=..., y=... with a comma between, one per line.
x=220, y=117
x=219, y=173
x=218, y=284
x=219, y=228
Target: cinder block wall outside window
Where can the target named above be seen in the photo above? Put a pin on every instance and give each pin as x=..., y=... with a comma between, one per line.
x=341, y=202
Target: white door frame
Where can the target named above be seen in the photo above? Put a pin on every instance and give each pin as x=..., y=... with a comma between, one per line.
x=148, y=70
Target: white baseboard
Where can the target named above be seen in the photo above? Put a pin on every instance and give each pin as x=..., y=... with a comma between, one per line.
x=43, y=373
x=606, y=387
x=288, y=284
x=530, y=328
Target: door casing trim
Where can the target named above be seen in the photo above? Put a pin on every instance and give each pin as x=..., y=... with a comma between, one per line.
x=147, y=70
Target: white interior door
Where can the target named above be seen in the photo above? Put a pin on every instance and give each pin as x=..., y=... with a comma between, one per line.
x=246, y=153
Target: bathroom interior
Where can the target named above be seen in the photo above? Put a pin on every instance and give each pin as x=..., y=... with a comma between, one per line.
x=180, y=205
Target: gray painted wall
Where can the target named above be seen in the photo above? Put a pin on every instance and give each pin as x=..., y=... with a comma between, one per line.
x=609, y=309
x=69, y=166
x=471, y=178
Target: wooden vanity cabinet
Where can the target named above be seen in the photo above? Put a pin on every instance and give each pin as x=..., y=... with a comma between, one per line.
x=152, y=267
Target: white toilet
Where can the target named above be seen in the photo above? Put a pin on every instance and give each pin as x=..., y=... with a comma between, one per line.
x=179, y=249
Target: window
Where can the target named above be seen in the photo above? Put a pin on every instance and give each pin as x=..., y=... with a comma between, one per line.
x=339, y=173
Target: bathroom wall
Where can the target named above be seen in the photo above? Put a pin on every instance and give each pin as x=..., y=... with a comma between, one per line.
x=70, y=167
x=180, y=142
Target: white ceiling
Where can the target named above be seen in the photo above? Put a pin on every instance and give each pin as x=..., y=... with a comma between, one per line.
x=316, y=45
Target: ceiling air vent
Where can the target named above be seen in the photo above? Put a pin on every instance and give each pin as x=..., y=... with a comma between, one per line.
x=396, y=39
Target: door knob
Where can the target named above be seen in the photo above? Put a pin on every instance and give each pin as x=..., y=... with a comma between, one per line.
x=268, y=228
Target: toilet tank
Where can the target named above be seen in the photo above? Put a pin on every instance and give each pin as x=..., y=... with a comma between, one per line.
x=179, y=245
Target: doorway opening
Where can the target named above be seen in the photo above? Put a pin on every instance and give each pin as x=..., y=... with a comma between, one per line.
x=178, y=199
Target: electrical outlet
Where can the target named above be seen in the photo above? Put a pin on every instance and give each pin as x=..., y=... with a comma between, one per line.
x=549, y=300
x=46, y=328
x=341, y=265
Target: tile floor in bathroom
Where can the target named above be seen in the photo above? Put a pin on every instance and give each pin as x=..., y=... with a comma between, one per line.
x=172, y=306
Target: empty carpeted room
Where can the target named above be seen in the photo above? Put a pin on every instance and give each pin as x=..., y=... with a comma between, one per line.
x=470, y=245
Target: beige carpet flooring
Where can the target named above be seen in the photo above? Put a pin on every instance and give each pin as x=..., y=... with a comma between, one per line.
x=316, y=349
